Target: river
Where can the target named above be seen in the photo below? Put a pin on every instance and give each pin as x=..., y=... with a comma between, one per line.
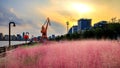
x=6, y=43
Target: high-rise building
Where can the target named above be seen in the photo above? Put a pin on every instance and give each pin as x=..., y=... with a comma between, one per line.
x=1, y=36
x=53, y=36
x=50, y=37
x=84, y=24
x=19, y=37
x=39, y=37
x=13, y=37
x=73, y=29
x=6, y=37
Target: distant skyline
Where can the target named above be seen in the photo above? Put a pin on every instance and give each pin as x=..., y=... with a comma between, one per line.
x=29, y=15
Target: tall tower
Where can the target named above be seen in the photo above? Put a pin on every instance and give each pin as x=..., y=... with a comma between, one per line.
x=67, y=23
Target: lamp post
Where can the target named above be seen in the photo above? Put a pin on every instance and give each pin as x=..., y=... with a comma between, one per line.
x=10, y=32
x=67, y=26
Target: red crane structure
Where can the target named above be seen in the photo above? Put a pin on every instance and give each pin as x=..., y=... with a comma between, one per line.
x=44, y=29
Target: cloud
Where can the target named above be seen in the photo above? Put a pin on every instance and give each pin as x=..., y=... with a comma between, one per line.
x=56, y=28
x=7, y=15
x=30, y=15
x=31, y=25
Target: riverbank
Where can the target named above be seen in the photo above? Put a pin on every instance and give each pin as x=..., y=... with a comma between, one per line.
x=6, y=43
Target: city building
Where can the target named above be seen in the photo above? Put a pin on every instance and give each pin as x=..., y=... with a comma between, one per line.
x=39, y=37
x=1, y=36
x=13, y=37
x=50, y=37
x=19, y=37
x=84, y=24
x=100, y=24
x=70, y=31
x=73, y=29
x=53, y=36
x=6, y=37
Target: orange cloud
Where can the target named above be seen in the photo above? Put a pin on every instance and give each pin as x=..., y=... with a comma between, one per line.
x=62, y=11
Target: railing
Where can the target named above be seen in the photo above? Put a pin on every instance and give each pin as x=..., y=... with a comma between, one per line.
x=2, y=51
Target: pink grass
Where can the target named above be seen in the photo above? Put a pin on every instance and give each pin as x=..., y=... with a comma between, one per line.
x=67, y=54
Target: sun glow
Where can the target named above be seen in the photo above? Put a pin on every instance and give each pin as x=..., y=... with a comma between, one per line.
x=82, y=8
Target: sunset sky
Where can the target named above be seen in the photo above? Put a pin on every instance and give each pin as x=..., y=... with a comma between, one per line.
x=29, y=15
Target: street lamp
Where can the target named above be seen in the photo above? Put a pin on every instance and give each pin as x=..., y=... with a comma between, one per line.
x=10, y=32
x=67, y=23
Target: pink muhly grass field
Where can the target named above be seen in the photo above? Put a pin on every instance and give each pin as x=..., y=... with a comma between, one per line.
x=67, y=54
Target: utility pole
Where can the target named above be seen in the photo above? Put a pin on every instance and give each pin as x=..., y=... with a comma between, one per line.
x=67, y=23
